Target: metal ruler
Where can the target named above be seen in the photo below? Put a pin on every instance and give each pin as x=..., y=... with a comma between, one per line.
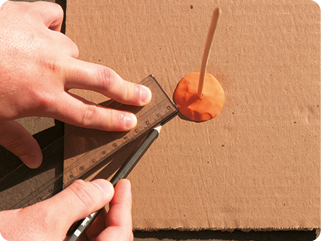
x=85, y=150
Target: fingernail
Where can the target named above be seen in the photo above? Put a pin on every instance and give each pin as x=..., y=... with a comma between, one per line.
x=130, y=120
x=32, y=161
x=105, y=186
x=145, y=94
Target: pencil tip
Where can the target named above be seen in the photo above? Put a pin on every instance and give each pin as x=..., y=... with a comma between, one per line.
x=158, y=128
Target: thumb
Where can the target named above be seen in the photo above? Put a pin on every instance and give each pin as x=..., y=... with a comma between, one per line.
x=15, y=138
x=53, y=217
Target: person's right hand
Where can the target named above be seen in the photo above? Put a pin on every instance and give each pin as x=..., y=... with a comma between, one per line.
x=38, y=67
x=50, y=220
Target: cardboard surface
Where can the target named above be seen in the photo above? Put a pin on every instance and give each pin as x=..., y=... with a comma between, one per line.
x=257, y=164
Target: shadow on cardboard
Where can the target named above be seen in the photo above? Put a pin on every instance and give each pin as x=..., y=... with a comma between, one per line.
x=21, y=186
x=236, y=235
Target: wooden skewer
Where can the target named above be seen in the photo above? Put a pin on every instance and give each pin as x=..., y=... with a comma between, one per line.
x=208, y=43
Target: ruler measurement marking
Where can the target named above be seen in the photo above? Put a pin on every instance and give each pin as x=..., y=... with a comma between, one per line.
x=105, y=152
x=160, y=104
x=148, y=80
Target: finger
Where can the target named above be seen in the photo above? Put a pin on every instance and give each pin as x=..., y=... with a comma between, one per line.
x=51, y=13
x=52, y=17
x=83, y=238
x=74, y=203
x=64, y=44
x=83, y=75
x=119, y=221
x=80, y=112
x=15, y=138
x=98, y=225
x=119, y=213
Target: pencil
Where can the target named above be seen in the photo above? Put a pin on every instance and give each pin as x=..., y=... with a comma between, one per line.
x=123, y=172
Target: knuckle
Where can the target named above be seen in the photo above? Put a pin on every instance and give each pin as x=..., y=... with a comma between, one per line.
x=44, y=101
x=71, y=47
x=129, y=92
x=115, y=119
x=59, y=10
x=81, y=193
x=89, y=114
x=15, y=143
x=74, y=49
x=55, y=9
x=105, y=77
x=50, y=65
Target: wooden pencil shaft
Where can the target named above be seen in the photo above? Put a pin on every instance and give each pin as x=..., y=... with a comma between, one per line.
x=207, y=48
x=128, y=166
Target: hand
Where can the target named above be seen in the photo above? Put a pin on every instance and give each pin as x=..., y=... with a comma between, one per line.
x=38, y=67
x=50, y=220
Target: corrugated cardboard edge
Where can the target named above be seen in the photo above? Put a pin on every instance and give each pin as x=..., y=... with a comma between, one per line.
x=230, y=229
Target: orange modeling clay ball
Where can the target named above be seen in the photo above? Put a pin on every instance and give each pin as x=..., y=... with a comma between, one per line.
x=207, y=106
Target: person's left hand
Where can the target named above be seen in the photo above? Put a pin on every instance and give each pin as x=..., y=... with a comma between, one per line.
x=38, y=67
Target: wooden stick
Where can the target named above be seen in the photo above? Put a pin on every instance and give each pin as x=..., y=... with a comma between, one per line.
x=208, y=43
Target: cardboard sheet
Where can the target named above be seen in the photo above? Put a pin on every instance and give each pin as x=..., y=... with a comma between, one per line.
x=257, y=164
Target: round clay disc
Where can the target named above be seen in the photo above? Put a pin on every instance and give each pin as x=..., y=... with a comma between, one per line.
x=199, y=109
